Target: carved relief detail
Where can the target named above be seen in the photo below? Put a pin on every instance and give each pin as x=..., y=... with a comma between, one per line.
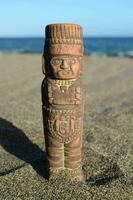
x=63, y=92
x=63, y=123
x=64, y=127
x=62, y=98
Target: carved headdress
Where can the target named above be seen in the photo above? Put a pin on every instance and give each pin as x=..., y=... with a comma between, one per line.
x=63, y=39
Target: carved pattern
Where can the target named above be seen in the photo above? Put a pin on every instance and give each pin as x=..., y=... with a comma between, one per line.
x=62, y=98
x=64, y=92
x=54, y=173
x=64, y=41
x=64, y=127
x=77, y=174
x=63, y=123
x=63, y=34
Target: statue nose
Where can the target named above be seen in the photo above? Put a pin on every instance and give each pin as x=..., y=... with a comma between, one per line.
x=64, y=65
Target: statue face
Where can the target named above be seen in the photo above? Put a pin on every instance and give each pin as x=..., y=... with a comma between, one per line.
x=65, y=66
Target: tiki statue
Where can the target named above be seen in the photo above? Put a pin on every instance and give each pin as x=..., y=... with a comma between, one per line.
x=62, y=99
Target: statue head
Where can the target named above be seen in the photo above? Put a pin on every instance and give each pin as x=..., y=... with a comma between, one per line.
x=63, y=51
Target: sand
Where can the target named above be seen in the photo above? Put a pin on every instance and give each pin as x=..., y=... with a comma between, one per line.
x=108, y=131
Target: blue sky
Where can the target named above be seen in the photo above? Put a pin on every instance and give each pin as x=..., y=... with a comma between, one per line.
x=97, y=17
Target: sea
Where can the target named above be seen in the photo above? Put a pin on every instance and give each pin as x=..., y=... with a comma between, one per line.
x=99, y=46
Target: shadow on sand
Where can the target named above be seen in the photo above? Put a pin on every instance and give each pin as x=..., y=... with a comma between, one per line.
x=15, y=141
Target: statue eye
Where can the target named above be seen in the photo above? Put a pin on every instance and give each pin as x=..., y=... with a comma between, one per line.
x=56, y=61
x=71, y=61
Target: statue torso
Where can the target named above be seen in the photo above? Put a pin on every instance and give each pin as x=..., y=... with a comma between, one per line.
x=62, y=104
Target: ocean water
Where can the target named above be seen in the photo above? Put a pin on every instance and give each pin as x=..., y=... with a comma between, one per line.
x=102, y=46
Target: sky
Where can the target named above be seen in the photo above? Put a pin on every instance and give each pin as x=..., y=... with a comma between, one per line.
x=22, y=18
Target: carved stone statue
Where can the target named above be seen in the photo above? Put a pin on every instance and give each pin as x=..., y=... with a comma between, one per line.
x=62, y=99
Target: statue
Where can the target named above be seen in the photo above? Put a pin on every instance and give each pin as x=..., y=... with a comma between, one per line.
x=62, y=99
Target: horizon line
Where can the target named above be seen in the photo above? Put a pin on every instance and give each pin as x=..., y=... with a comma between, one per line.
x=85, y=36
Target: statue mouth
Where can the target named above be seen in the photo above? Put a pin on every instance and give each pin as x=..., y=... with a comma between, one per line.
x=65, y=72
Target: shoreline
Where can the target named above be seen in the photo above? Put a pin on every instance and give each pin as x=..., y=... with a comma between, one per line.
x=85, y=55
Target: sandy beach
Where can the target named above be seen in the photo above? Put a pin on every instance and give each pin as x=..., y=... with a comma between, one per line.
x=108, y=131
